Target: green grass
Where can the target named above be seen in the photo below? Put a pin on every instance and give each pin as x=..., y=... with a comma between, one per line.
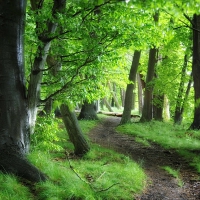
x=101, y=174
x=178, y=138
x=11, y=189
x=175, y=174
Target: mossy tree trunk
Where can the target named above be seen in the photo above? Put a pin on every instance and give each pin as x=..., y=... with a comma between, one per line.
x=14, y=121
x=75, y=133
x=128, y=103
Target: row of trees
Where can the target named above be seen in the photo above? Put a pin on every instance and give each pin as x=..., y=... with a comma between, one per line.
x=74, y=48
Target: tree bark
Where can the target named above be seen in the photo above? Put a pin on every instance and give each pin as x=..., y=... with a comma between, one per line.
x=147, y=111
x=166, y=110
x=122, y=92
x=14, y=124
x=128, y=103
x=88, y=111
x=141, y=86
x=196, y=71
x=178, y=116
x=40, y=59
x=81, y=146
x=158, y=107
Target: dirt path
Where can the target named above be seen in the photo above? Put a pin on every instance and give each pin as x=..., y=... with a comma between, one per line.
x=162, y=186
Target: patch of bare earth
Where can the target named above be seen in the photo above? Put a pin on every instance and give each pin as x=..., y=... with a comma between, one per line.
x=161, y=185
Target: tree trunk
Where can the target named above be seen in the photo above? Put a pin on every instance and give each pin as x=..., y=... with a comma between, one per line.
x=39, y=61
x=126, y=116
x=122, y=92
x=107, y=104
x=196, y=71
x=81, y=146
x=88, y=111
x=14, y=124
x=47, y=108
x=158, y=107
x=147, y=111
x=141, y=86
x=114, y=96
x=166, y=112
x=178, y=116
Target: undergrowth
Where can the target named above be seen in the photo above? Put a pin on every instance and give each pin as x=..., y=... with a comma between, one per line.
x=169, y=136
x=101, y=174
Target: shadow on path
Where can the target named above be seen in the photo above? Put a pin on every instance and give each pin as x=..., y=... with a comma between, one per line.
x=162, y=186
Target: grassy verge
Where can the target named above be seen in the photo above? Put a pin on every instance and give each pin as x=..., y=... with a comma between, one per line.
x=186, y=143
x=101, y=174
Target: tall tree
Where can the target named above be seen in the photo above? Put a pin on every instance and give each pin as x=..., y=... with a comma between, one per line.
x=44, y=33
x=147, y=112
x=179, y=102
x=14, y=122
x=126, y=116
x=196, y=71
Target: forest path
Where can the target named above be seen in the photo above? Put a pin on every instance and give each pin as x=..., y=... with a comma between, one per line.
x=162, y=186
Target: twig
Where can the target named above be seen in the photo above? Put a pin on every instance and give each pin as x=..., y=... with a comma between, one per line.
x=71, y=167
x=103, y=190
x=100, y=176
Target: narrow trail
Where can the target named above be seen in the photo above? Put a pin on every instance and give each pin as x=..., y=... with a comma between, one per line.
x=161, y=185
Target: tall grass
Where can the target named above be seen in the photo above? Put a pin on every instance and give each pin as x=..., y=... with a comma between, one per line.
x=101, y=174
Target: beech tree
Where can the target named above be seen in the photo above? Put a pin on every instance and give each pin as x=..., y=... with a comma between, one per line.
x=126, y=116
x=14, y=117
x=81, y=146
x=196, y=70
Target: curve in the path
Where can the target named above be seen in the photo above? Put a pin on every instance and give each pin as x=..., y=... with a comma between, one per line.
x=162, y=186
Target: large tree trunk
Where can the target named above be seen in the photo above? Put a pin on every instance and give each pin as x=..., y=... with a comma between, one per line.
x=74, y=131
x=147, y=111
x=126, y=116
x=40, y=59
x=14, y=124
x=88, y=111
x=196, y=71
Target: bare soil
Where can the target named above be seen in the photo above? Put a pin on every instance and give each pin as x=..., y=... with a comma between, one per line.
x=161, y=185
